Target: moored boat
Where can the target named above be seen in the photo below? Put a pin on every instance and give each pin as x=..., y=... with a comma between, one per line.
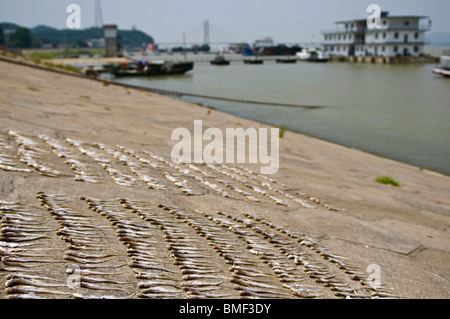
x=254, y=60
x=444, y=67
x=313, y=55
x=220, y=60
x=149, y=68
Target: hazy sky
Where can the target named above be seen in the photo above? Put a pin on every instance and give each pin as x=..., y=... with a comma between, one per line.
x=231, y=20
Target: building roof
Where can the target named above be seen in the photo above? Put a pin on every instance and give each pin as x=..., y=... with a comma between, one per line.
x=385, y=17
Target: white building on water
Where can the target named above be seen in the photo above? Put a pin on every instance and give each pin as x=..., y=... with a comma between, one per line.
x=397, y=36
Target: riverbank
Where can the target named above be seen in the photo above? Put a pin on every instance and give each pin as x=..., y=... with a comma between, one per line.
x=404, y=230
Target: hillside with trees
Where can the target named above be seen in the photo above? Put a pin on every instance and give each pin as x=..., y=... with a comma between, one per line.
x=20, y=37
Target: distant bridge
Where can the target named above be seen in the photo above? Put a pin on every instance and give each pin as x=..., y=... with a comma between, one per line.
x=206, y=33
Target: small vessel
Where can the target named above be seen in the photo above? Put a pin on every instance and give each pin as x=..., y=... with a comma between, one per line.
x=313, y=55
x=253, y=60
x=303, y=55
x=286, y=60
x=444, y=67
x=220, y=60
x=148, y=68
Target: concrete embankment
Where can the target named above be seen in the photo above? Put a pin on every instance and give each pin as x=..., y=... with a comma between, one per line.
x=92, y=143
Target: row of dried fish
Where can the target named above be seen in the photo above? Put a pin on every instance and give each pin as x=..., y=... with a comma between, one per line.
x=272, y=184
x=23, y=238
x=193, y=261
x=7, y=161
x=249, y=281
x=315, y=268
x=83, y=172
x=87, y=250
x=136, y=167
x=283, y=269
x=158, y=281
x=30, y=154
x=261, y=188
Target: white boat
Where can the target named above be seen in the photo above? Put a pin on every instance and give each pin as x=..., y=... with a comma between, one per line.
x=303, y=55
x=313, y=55
x=444, y=67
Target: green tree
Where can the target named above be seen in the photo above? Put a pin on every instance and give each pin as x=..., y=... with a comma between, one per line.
x=80, y=43
x=2, y=37
x=20, y=39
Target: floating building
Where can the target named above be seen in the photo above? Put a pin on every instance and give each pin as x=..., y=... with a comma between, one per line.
x=396, y=36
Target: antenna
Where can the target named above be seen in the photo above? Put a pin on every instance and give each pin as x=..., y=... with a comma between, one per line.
x=98, y=14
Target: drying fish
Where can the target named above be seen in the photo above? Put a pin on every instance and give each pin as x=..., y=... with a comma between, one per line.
x=105, y=281
x=82, y=255
x=24, y=296
x=26, y=238
x=90, y=272
x=33, y=290
x=197, y=277
x=27, y=282
x=18, y=254
x=195, y=271
x=199, y=289
x=26, y=230
x=245, y=283
x=13, y=261
x=7, y=269
x=147, y=266
x=85, y=261
x=153, y=276
x=350, y=295
x=32, y=277
x=81, y=296
x=150, y=284
x=97, y=287
x=260, y=293
x=89, y=266
x=200, y=284
x=160, y=290
x=383, y=295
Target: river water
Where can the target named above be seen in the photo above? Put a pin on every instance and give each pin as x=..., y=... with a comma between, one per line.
x=400, y=112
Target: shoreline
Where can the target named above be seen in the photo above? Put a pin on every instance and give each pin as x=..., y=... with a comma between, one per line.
x=404, y=230
x=178, y=96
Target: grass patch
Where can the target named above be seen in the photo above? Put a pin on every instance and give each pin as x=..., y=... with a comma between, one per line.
x=388, y=181
x=85, y=97
x=106, y=83
x=282, y=131
x=107, y=108
x=68, y=53
x=33, y=88
x=69, y=68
